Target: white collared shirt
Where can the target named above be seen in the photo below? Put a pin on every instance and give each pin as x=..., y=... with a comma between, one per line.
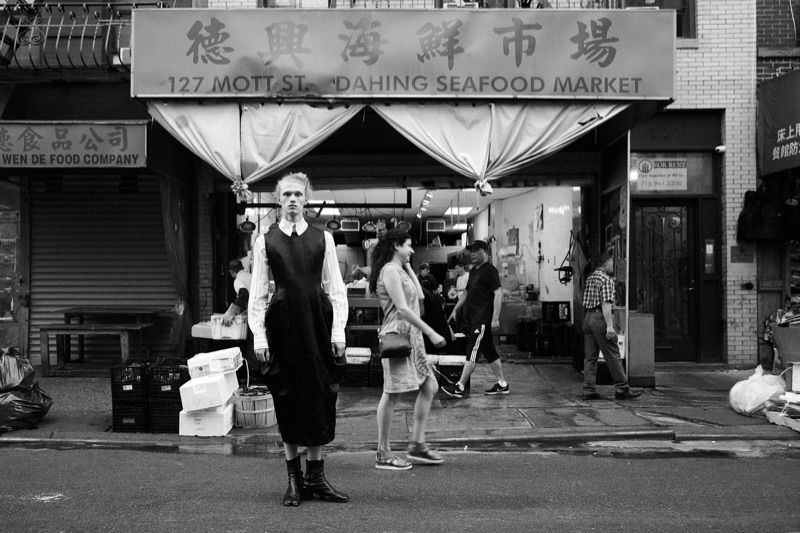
x=332, y=284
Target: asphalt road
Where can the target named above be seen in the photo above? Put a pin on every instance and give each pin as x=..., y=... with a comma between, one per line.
x=608, y=489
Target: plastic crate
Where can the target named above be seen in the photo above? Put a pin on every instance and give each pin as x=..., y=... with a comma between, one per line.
x=164, y=416
x=129, y=380
x=375, y=372
x=130, y=415
x=165, y=382
x=200, y=345
x=130, y=422
x=356, y=375
x=555, y=312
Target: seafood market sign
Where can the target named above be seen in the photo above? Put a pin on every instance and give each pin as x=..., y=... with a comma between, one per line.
x=340, y=54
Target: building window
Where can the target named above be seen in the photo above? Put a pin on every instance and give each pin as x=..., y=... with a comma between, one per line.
x=684, y=12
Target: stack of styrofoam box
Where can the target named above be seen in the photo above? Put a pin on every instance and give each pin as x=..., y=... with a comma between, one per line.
x=207, y=398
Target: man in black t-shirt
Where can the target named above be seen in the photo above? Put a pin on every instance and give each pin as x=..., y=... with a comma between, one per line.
x=480, y=305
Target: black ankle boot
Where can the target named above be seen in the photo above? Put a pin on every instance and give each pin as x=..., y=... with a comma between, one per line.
x=316, y=484
x=294, y=492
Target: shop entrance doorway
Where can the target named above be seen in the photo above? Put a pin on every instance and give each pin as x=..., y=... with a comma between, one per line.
x=665, y=277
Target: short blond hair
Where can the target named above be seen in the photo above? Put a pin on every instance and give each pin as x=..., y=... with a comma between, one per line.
x=298, y=177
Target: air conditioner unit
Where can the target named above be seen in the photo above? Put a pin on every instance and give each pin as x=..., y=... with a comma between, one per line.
x=350, y=224
x=435, y=225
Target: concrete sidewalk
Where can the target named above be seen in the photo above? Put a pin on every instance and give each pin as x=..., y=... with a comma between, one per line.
x=544, y=406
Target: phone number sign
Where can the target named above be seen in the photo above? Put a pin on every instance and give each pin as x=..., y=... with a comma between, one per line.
x=73, y=145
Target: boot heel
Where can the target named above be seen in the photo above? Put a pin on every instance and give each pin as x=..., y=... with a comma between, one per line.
x=307, y=493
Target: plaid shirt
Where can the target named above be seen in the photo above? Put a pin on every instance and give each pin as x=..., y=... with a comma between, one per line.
x=599, y=289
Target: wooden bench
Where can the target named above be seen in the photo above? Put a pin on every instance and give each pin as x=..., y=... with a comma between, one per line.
x=64, y=331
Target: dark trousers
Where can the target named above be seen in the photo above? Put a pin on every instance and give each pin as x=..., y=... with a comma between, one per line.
x=594, y=340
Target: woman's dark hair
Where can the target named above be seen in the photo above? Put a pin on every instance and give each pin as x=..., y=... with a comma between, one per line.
x=383, y=253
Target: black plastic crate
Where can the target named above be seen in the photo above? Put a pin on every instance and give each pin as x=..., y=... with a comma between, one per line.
x=563, y=336
x=165, y=416
x=129, y=380
x=200, y=345
x=375, y=372
x=166, y=381
x=356, y=375
x=129, y=415
x=131, y=422
x=542, y=344
x=555, y=312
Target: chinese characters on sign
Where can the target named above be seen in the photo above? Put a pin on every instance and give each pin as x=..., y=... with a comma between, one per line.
x=57, y=145
x=787, y=142
x=504, y=53
x=778, y=130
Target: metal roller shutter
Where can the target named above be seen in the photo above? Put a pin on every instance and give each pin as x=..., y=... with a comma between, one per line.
x=98, y=240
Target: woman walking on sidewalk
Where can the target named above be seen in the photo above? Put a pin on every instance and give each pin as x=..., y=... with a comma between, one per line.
x=399, y=291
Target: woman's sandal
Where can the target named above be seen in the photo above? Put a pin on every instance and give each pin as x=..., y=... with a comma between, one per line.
x=391, y=463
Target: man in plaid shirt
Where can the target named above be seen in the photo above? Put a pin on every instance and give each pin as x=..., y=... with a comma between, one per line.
x=599, y=334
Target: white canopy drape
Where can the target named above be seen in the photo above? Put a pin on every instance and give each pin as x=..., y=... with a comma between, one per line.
x=276, y=135
x=481, y=141
x=209, y=129
x=489, y=141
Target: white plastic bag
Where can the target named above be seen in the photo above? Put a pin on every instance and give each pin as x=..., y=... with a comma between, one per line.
x=750, y=395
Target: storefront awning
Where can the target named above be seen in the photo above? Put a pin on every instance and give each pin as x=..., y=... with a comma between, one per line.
x=483, y=92
x=248, y=142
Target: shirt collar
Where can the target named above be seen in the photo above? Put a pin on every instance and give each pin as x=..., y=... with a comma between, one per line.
x=602, y=273
x=286, y=226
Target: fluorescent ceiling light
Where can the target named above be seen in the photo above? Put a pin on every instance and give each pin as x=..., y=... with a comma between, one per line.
x=327, y=211
x=458, y=210
x=461, y=226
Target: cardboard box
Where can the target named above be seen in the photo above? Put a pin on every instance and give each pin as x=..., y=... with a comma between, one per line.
x=208, y=391
x=221, y=361
x=214, y=422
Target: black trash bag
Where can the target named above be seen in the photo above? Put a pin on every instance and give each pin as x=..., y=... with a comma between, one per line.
x=23, y=409
x=16, y=373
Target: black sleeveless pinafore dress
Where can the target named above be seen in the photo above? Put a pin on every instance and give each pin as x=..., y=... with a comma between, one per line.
x=303, y=376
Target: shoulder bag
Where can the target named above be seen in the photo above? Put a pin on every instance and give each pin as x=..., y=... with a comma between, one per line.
x=394, y=345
